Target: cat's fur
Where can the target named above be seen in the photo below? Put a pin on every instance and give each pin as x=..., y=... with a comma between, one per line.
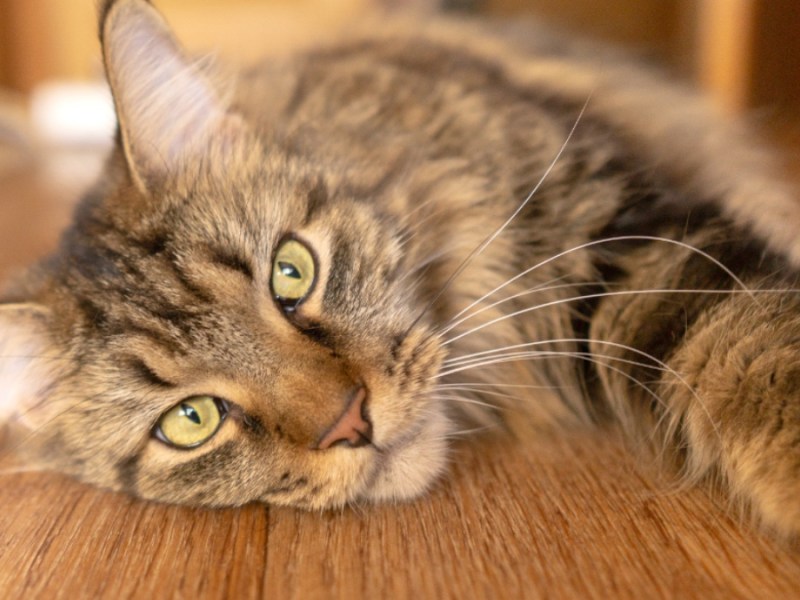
x=397, y=156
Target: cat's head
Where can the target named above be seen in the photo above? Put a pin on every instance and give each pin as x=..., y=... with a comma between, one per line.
x=220, y=325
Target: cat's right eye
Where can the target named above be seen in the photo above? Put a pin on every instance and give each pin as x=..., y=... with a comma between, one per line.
x=293, y=272
x=191, y=422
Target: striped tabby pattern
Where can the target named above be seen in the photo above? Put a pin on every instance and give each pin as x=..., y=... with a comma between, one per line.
x=506, y=229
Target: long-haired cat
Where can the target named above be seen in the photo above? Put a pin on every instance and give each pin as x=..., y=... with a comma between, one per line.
x=294, y=284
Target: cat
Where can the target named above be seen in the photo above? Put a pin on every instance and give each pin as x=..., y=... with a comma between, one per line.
x=297, y=283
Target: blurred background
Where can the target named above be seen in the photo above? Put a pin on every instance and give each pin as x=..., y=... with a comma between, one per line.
x=55, y=114
x=745, y=50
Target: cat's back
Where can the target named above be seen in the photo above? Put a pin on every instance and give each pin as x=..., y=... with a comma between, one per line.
x=502, y=98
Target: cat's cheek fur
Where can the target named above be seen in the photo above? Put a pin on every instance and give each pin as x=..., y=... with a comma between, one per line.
x=409, y=469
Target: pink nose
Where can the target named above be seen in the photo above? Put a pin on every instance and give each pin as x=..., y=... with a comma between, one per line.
x=353, y=427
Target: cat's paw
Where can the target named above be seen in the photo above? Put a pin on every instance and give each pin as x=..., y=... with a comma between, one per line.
x=742, y=412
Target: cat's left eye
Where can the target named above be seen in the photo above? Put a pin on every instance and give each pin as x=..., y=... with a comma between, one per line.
x=293, y=272
x=191, y=422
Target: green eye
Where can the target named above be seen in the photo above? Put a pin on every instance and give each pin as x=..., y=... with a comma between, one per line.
x=293, y=272
x=192, y=422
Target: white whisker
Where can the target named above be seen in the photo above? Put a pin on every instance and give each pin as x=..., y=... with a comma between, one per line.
x=585, y=356
x=545, y=287
x=606, y=295
x=466, y=432
x=592, y=243
x=483, y=392
x=489, y=359
x=661, y=366
x=478, y=385
x=465, y=400
x=479, y=249
x=509, y=355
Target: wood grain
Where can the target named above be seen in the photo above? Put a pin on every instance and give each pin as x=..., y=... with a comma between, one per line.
x=559, y=518
x=567, y=516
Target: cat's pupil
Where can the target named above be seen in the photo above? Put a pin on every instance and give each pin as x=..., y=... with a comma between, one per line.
x=191, y=414
x=289, y=270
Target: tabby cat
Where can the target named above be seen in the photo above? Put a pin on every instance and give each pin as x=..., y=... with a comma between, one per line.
x=296, y=283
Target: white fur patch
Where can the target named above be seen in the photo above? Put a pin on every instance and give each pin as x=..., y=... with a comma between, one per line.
x=411, y=468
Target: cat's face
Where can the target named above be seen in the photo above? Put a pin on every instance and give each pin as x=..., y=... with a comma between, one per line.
x=228, y=325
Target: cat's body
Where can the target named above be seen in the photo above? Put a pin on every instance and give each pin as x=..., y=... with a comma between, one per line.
x=635, y=282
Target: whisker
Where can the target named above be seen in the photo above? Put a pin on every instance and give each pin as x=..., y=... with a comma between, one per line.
x=479, y=249
x=465, y=401
x=478, y=385
x=558, y=341
x=482, y=392
x=545, y=287
x=659, y=364
x=513, y=356
x=592, y=243
x=481, y=389
x=585, y=356
x=517, y=313
x=466, y=432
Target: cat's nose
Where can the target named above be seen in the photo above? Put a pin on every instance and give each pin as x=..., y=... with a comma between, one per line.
x=353, y=427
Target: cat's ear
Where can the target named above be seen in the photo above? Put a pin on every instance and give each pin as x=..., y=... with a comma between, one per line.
x=167, y=108
x=28, y=363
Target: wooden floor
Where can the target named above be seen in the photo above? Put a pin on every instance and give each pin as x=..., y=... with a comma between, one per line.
x=568, y=517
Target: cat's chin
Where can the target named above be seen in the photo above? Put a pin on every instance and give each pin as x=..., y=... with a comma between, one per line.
x=409, y=467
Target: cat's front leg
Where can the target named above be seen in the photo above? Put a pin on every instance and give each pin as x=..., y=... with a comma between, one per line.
x=741, y=405
x=706, y=371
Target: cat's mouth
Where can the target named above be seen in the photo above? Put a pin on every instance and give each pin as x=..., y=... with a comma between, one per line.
x=410, y=463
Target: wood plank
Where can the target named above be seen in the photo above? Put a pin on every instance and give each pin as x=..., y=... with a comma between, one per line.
x=563, y=517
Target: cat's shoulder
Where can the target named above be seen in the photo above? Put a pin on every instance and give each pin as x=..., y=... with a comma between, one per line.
x=709, y=157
